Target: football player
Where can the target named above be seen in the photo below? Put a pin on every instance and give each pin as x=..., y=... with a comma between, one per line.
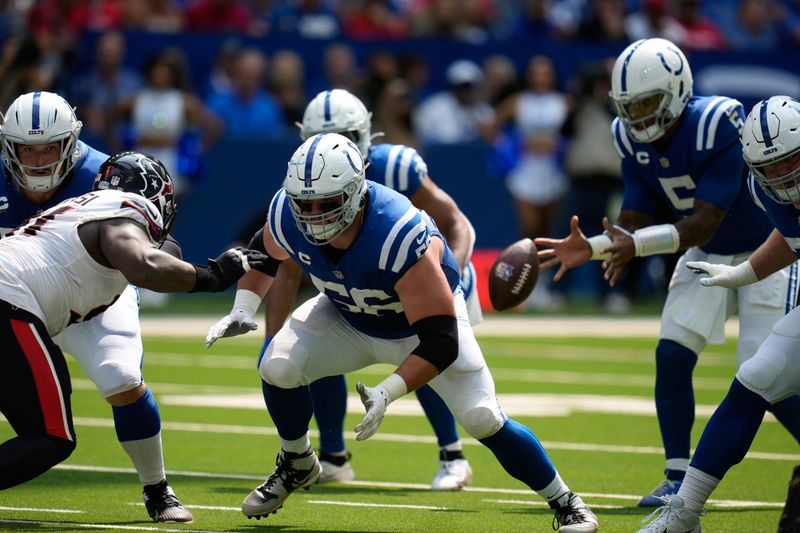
x=67, y=265
x=44, y=162
x=683, y=151
x=400, y=168
x=389, y=293
x=771, y=149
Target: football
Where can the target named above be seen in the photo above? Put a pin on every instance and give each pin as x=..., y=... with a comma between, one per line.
x=513, y=275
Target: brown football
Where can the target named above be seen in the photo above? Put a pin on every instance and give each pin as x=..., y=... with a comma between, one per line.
x=513, y=275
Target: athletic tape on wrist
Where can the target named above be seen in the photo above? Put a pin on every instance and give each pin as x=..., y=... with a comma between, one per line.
x=652, y=240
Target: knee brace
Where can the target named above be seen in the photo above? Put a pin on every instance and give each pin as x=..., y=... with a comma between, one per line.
x=481, y=422
x=281, y=373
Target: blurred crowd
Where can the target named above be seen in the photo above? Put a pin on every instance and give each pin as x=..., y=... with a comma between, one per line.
x=692, y=24
x=546, y=138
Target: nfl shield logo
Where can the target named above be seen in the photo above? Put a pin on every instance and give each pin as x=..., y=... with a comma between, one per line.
x=504, y=271
x=338, y=274
x=664, y=162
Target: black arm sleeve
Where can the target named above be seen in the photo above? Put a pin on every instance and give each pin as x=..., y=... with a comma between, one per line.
x=438, y=340
x=270, y=267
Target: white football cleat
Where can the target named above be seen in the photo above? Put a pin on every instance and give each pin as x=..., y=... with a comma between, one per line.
x=672, y=517
x=336, y=468
x=294, y=471
x=452, y=475
x=572, y=515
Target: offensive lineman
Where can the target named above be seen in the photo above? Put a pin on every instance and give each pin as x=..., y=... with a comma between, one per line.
x=400, y=168
x=389, y=293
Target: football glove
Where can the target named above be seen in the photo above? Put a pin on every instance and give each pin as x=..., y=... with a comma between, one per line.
x=238, y=322
x=375, y=400
x=731, y=277
x=223, y=271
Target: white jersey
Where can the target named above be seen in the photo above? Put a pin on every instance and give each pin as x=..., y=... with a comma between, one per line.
x=46, y=270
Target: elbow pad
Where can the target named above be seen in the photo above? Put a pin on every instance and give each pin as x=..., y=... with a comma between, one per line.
x=172, y=247
x=270, y=266
x=438, y=340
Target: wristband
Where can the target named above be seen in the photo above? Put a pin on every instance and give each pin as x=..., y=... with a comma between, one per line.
x=661, y=239
x=395, y=387
x=247, y=301
x=744, y=274
x=205, y=280
x=598, y=244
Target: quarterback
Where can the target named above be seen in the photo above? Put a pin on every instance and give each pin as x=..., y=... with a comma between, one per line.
x=683, y=151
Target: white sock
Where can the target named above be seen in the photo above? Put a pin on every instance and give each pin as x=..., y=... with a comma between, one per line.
x=554, y=490
x=678, y=464
x=147, y=458
x=453, y=446
x=296, y=446
x=696, y=488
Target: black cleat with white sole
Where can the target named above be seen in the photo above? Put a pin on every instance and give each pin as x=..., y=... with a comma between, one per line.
x=294, y=471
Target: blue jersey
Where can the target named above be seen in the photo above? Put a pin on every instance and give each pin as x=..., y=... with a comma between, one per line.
x=14, y=209
x=361, y=282
x=701, y=160
x=396, y=166
x=785, y=217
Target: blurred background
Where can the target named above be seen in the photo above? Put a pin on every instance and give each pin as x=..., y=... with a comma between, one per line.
x=506, y=100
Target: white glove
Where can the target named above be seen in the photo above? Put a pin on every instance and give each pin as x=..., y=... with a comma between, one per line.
x=731, y=277
x=238, y=322
x=375, y=400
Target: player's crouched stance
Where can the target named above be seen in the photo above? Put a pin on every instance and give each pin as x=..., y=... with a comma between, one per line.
x=67, y=265
x=389, y=293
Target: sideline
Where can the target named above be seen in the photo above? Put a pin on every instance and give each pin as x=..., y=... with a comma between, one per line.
x=493, y=325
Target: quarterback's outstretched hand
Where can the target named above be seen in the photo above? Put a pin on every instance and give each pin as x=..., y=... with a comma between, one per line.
x=228, y=267
x=569, y=252
x=731, y=277
x=238, y=322
x=375, y=400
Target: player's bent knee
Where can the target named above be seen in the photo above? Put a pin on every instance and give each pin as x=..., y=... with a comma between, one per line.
x=59, y=449
x=762, y=376
x=481, y=422
x=112, y=379
x=281, y=373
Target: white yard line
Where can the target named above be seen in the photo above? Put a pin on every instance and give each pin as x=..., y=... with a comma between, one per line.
x=103, y=526
x=498, y=324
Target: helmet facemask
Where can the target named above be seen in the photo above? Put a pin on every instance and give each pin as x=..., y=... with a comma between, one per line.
x=780, y=178
x=38, y=119
x=646, y=117
x=325, y=185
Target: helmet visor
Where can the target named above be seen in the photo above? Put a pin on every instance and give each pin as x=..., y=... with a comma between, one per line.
x=645, y=116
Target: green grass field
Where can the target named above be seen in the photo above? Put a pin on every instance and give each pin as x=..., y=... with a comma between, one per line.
x=588, y=399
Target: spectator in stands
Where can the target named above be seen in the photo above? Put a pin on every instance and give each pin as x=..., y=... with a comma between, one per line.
x=165, y=110
x=654, y=19
x=230, y=16
x=248, y=110
x=537, y=182
x=308, y=19
x=340, y=71
x=373, y=19
x=606, y=23
x=392, y=114
x=752, y=26
x=220, y=80
x=100, y=93
x=288, y=86
x=160, y=16
x=457, y=114
x=460, y=20
x=500, y=78
x=381, y=67
x=700, y=32
x=24, y=70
